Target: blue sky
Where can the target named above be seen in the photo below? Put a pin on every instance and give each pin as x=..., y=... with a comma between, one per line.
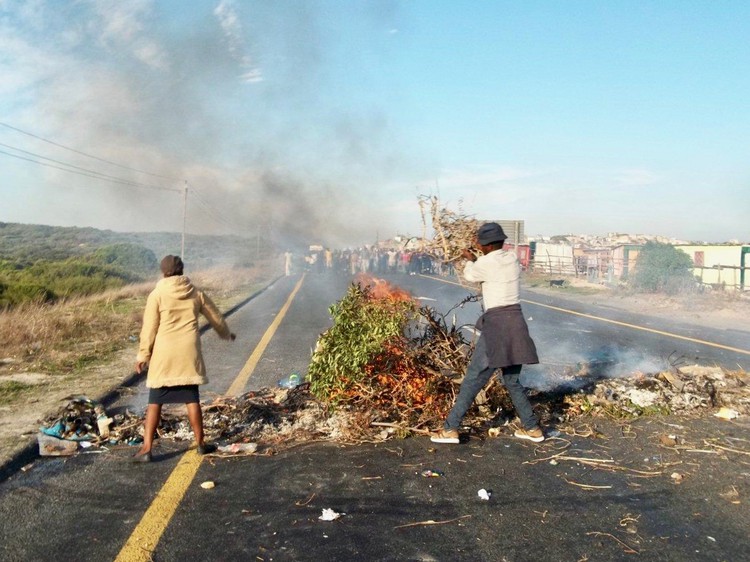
x=327, y=119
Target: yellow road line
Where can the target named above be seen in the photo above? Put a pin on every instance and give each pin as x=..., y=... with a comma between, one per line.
x=625, y=324
x=144, y=538
x=252, y=362
x=146, y=535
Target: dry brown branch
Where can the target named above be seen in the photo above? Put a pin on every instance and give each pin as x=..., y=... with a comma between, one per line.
x=401, y=427
x=628, y=519
x=304, y=503
x=561, y=457
x=599, y=464
x=454, y=232
x=723, y=448
x=587, y=486
x=431, y=522
x=628, y=549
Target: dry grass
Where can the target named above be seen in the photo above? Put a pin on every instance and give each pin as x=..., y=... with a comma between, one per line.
x=57, y=337
x=68, y=335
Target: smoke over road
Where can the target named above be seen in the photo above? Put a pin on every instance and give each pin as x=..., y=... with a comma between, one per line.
x=232, y=100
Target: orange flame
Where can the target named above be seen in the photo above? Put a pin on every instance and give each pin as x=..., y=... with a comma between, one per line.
x=382, y=289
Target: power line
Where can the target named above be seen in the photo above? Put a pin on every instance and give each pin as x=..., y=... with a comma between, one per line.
x=86, y=154
x=215, y=214
x=88, y=172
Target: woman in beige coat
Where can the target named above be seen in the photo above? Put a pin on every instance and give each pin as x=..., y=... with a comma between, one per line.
x=170, y=345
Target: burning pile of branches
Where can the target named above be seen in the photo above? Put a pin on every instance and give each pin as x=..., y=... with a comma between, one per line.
x=387, y=356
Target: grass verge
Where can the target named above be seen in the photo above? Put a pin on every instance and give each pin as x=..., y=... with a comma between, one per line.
x=12, y=390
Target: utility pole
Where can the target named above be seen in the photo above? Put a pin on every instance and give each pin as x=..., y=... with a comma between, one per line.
x=184, y=220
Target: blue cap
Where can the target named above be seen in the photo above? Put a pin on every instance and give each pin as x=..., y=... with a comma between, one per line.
x=490, y=232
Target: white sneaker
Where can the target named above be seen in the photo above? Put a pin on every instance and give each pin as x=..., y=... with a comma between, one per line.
x=445, y=436
x=536, y=435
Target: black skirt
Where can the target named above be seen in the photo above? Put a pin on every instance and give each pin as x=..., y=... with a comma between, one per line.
x=183, y=394
x=506, y=335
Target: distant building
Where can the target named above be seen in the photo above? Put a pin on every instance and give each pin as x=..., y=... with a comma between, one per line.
x=514, y=230
x=624, y=257
x=553, y=259
x=720, y=265
x=595, y=262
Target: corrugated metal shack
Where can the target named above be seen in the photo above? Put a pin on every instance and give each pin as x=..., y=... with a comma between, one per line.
x=553, y=259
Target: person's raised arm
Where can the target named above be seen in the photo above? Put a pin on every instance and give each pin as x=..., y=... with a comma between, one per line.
x=215, y=318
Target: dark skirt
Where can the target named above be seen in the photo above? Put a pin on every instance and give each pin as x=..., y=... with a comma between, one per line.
x=184, y=394
x=506, y=335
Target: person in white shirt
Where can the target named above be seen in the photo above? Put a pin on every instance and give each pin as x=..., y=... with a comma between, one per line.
x=504, y=342
x=288, y=263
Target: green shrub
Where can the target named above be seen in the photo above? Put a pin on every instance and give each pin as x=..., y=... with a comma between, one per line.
x=361, y=324
x=662, y=268
x=16, y=293
x=46, y=281
x=128, y=257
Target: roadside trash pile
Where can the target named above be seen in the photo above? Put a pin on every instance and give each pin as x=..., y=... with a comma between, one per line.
x=690, y=389
x=271, y=419
x=81, y=423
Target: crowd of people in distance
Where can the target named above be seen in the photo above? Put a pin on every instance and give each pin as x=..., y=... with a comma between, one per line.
x=367, y=259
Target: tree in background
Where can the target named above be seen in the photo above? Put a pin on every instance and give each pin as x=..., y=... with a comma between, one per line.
x=662, y=268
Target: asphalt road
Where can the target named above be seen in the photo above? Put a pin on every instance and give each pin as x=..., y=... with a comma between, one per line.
x=627, y=505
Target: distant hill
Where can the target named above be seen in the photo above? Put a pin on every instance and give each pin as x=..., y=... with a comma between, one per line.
x=26, y=244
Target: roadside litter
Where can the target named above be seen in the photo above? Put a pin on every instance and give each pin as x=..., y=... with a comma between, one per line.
x=329, y=515
x=53, y=447
x=235, y=448
x=727, y=413
x=484, y=494
x=81, y=421
x=675, y=391
x=77, y=421
x=292, y=381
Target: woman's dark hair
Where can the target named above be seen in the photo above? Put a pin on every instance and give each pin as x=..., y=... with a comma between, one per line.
x=172, y=265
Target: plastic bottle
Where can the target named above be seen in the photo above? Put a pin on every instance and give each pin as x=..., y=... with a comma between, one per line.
x=292, y=381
